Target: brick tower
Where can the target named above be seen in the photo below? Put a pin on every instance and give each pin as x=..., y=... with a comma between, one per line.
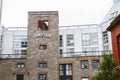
x=42, y=45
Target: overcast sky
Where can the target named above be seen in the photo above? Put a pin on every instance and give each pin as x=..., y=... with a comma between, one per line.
x=71, y=12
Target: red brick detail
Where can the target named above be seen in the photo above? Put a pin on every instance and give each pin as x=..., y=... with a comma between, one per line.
x=115, y=32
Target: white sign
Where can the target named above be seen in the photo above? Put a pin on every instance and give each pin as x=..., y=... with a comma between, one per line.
x=42, y=34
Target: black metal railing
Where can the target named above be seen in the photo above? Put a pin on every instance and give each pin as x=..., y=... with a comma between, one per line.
x=12, y=56
x=84, y=53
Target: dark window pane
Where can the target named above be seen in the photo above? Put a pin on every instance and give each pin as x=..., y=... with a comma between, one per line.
x=20, y=77
x=42, y=77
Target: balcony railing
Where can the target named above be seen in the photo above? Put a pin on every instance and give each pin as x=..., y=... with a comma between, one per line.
x=84, y=53
x=12, y=56
x=64, y=54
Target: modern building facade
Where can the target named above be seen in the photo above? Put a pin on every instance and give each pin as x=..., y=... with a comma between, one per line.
x=110, y=16
x=80, y=38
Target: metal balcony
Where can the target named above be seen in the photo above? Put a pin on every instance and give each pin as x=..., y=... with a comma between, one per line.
x=84, y=53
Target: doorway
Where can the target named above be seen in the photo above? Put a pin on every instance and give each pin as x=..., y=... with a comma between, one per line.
x=65, y=71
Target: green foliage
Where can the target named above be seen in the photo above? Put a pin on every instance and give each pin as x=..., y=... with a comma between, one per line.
x=109, y=69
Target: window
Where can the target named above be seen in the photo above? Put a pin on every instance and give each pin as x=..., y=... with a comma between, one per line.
x=93, y=38
x=105, y=37
x=20, y=41
x=84, y=64
x=60, y=41
x=42, y=77
x=24, y=43
x=61, y=70
x=95, y=64
x=20, y=77
x=42, y=65
x=42, y=47
x=70, y=40
x=113, y=15
x=43, y=25
x=85, y=78
x=23, y=52
x=20, y=65
x=68, y=69
x=89, y=39
x=61, y=52
x=85, y=39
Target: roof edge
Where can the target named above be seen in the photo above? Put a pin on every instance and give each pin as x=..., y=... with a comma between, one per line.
x=113, y=24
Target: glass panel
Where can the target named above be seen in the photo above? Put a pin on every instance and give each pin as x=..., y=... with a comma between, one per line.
x=60, y=41
x=43, y=77
x=68, y=69
x=20, y=65
x=43, y=47
x=89, y=39
x=20, y=41
x=61, y=70
x=42, y=65
x=84, y=64
x=95, y=64
x=70, y=40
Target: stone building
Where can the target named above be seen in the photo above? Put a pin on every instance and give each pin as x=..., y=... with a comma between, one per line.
x=43, y=60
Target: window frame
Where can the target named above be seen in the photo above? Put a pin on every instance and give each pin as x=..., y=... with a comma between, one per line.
x=69, y=38
x=83, y=64
x=42, y=65
x=42, y=76
x=98, y=64
x=48, y=25
x=20, y=65
x=43, y=47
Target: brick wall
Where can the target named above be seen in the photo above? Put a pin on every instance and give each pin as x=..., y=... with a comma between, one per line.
x=115, y=32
